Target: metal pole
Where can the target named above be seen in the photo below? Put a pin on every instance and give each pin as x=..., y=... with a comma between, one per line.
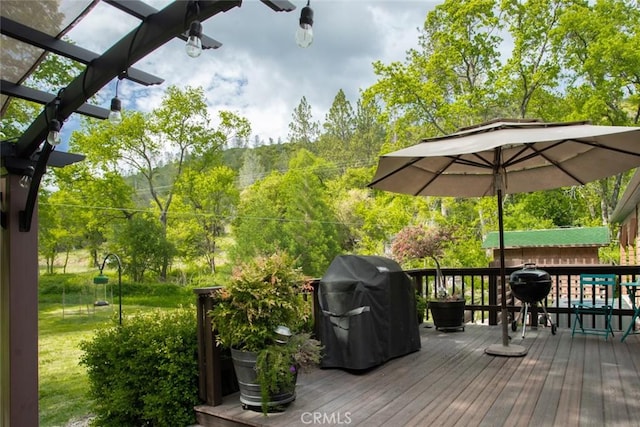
x=119, y=281
x=503, y=287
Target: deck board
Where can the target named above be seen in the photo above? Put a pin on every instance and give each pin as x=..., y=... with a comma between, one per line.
x=450, y=381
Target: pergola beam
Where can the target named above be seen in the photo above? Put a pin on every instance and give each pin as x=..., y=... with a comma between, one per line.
x=153, y=32
x=141, y=10
x=41, y=97
x=21, y=32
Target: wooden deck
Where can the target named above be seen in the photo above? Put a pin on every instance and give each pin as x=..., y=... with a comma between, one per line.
x=562, y=381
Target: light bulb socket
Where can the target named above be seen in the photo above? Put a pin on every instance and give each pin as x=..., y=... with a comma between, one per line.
x=53, y=137
x=306, y=16
x=116, y=104
x=29, y=171
x=115, y=116
x=195, y=29
x=54, y=125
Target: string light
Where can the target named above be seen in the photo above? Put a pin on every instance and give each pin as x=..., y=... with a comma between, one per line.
x=115, y=115
x=304, y=33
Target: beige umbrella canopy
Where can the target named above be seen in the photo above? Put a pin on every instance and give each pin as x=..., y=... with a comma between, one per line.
x=530, y=155
x=509, y=156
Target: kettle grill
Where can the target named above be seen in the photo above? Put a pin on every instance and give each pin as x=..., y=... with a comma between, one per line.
x=530, y=285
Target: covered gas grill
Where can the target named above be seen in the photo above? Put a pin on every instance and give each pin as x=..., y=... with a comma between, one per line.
x=530, y=285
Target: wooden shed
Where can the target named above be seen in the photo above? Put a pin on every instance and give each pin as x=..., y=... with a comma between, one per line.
x=557, y=246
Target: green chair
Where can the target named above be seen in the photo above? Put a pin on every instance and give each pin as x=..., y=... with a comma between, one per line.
x=594, y=304
x=631, y=290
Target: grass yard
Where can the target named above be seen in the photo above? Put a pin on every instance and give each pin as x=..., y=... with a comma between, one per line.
x=63, y=382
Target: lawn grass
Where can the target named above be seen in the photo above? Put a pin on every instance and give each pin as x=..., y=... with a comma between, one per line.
x=63, y=383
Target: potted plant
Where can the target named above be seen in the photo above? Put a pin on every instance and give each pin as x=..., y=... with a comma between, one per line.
x=254, y=316
x=422, y=243
x=421, y=306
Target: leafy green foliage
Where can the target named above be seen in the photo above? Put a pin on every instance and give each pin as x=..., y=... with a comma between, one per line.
x=145, y=371
x=303, y=130
x=277, y=365
x=205, y=206
x=567, y=60
x=264, y=293
x=143, y=246
x=289, y=212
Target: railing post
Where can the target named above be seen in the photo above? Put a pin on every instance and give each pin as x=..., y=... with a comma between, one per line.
x=209, y=360
x=317, y=314
x=493, y=299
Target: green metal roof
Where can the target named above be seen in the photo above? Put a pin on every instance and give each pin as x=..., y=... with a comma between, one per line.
x=584, y=236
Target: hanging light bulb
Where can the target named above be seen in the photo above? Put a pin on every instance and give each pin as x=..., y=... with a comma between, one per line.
x=194, y=43
x=304, y=33
x=53, y=137
x=115, y=115
x=25, y=180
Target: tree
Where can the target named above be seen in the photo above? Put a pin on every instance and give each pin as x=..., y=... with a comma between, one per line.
x=251, y=170
x=420, y=242
x=289, y=212
x=369, y=134
x=302, y=129
x=448, y=83
x=598, y=43
x=142, y=244
x=570, y=60
x=532, y=71
x=95, y=203
x=338, y=126
x=211, y=199
x=180, y=127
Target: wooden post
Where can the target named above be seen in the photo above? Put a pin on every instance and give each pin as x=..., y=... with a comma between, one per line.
x=493, y=300
x=209, y=363
x=18, y=310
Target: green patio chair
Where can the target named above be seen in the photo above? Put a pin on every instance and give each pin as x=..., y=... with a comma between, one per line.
x=632, y=287
x=594, y=304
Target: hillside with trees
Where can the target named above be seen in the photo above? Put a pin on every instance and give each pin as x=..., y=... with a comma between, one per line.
x=178, y=194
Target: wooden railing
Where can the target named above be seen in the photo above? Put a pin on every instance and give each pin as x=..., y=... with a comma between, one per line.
x=480, y=287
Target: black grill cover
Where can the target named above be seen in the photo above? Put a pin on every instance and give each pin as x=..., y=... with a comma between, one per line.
x=368, y=312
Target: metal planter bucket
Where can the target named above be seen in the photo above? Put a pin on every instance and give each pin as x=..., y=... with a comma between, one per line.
x=244, y=363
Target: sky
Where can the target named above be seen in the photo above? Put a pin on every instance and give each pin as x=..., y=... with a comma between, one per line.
x=259, y=72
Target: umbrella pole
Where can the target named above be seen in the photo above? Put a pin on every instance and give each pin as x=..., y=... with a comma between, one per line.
x=503, y=274
x=504, y=349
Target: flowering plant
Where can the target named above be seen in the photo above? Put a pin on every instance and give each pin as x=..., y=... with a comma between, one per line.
x=420, y=242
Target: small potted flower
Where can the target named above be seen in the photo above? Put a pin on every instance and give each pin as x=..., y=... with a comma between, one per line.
x=261, y=315
x=422, y=243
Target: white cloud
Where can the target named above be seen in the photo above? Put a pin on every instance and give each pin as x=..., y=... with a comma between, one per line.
x=259, y=72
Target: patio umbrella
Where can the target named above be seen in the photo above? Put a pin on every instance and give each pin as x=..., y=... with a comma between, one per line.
x=508, y=156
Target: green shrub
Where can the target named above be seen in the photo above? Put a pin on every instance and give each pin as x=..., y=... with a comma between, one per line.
x=145, y=372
